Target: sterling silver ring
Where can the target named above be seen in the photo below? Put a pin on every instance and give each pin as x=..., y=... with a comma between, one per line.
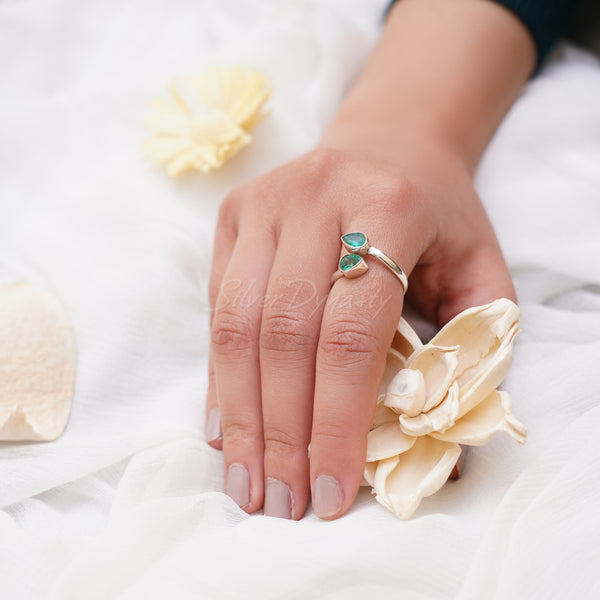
x=354, y=265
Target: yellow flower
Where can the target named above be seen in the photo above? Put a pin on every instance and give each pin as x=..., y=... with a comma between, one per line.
x=207, y=119
x=438, y=396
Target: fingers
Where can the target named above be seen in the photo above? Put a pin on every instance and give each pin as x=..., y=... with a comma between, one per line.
x=274, y=362
x=288, y=342
x=358, y=324
x=304, y=365
x=234, y=347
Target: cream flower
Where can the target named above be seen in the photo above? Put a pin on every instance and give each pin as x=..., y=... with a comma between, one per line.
x=207, y=119
x=437, y=396
x=37, y=364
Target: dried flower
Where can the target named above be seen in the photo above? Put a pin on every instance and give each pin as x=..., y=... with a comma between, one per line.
x=37, y=364
x=438, y=396
x=207, y=120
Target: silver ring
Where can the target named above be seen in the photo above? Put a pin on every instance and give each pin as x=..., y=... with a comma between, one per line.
x=353, y=264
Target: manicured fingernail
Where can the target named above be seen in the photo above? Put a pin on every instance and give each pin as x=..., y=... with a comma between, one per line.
x=278, y=499
x=213, y=426
x=327, y=500
x=238, y=484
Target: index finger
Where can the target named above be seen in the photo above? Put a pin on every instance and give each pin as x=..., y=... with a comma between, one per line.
x=358, y=325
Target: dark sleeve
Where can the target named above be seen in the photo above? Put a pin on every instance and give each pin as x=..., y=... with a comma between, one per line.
x=546, y=20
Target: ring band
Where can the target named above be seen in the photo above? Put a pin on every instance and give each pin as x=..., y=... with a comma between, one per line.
x=353, y=265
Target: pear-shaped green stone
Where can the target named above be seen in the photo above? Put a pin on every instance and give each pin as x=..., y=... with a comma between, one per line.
x=354, y=240
x=348, y=261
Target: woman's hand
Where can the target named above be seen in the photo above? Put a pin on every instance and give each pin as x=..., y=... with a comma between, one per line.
x=295, y=361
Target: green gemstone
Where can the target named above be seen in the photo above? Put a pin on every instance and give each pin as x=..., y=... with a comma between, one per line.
x=354, y=240
x=348, y=261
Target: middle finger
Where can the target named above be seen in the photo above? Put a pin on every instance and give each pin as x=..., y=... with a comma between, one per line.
x=298, y=287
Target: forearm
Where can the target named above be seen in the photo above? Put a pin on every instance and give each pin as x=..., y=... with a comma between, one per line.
x=445, y=72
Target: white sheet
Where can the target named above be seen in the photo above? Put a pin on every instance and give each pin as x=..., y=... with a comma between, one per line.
x=128, y=503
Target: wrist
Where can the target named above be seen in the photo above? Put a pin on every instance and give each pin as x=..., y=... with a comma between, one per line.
x=443, y=75
x=415, y=146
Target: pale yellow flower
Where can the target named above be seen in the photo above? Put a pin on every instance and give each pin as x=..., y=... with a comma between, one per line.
x=436, y=397
x=206, y=120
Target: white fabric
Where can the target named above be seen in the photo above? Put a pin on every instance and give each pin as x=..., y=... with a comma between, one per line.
x=127, y=503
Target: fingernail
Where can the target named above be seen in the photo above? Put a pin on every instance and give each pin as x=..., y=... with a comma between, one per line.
x=327, y=500
x=238, y=484
x=278, y=499
x=213, y=425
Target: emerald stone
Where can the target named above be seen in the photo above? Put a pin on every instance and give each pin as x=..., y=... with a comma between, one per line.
x=348, y=261
x=354, y=240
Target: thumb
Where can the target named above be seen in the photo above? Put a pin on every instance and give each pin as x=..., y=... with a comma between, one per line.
x=444, y=289
x=480, y=279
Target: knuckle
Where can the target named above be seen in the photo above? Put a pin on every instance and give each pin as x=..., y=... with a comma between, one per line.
x=398, y=194
x=340, y=432
x=399, y=186
x=347, y=342
x=231, y=332
x=319, y=165
x=239, y=433
x=328, y=434
x=286, y=332
x=281, y=443
x=265, y=187
x=323, y=159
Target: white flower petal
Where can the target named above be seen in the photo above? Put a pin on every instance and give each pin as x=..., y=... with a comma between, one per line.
x=369, y=474
x=406, y=341
x=479, y=382
x=383, y=415
x=479, y=425
x=438, y=365
x=394, y=363
x=384, y=468
x=440, y=418
x=386, y=441
x=406, y=393
x=478, y=331
x=402, y=482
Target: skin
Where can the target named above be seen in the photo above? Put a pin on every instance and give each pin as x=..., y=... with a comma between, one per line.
x=295, y=360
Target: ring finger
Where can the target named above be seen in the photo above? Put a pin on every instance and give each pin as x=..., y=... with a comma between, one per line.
x=358, y=324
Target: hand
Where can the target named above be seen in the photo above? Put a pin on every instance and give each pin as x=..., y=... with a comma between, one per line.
x=296, y=361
